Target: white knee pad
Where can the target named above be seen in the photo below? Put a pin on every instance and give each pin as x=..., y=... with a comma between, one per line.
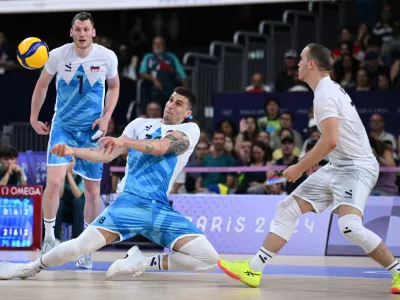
x=353, y=230
x=203, y=252
x=286, y=216
x=89, y=241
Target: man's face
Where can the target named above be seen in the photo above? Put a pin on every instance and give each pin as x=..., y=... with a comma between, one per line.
x=287, y=148
x=201, y=150
x=8, y=162
x=219, y=142
x=176, y=109
x=153, y=110
x=82, y=32
x=376, y=122
x=246, y=147
x=257, y=81
x=285, y=121
x=304, y=64
x=158, y=45
x=263, y=137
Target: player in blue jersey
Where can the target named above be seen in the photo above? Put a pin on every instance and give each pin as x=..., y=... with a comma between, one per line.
x=158, y=149
x=81, y=69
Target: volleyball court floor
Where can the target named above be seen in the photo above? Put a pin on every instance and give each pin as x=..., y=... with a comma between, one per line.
x=288, y=277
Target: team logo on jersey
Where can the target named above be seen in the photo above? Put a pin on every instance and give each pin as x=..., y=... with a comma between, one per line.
x=147, y=128
x=94, y=69
x=68, y=67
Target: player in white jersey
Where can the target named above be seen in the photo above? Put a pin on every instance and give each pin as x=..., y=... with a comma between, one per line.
x=80, y=118
x=158, y=149
x=345, y=183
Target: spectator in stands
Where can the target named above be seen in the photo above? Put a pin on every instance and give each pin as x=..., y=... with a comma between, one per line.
x=277, y=153
x=258, y=85
x=386, y=184
x=153, y=110
x=299, y=86
x=244, y=153
x=228, y=127
x=286, y=122
x=216, y=182
x=270, y=121
x=373, y=69
x=200, y=152
x=72, y=203
x=346, y=71
x=4, y=52
x=361, y=81
x=377, y=126
x=164, y=70
x=254, y=182
x=346, y=38
x=248, y=131
x=10, y=172
x=288, y=159
x=230, y=148
x=384, y=28
x=127, y=63
x=263, y=137
x=204, y=137
x=395, y=72
x=313, y=134
x=390, y=48
x=383, y=82
x=286, y=79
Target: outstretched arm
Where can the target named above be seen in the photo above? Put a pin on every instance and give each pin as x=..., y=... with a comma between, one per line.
x=91, y=154
x=177, y=142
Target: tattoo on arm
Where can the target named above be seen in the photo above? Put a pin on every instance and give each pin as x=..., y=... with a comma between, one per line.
x=149, y=148
x=179, y=142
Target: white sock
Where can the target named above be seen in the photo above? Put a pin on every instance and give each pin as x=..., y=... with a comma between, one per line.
x=85, y=224
x=261, y=259
x=394, y=268
x=154, y=262
x=49, y=225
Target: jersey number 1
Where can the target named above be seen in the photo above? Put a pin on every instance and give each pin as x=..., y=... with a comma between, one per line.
x=80, y=83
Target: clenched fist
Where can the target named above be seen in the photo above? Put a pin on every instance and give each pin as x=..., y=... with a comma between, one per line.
x=61, y=150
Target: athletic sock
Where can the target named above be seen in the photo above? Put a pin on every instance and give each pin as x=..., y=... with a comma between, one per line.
x=49, y=225
x=394, y=268
x=261, y=259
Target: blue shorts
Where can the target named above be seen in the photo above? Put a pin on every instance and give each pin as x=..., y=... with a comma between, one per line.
x=77, y=139
x=130, y=215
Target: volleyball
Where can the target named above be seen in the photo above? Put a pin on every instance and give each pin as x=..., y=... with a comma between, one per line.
x=32, y=53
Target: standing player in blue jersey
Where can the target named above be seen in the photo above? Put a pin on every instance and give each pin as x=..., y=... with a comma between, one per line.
x=158, y=149
x=80, y=118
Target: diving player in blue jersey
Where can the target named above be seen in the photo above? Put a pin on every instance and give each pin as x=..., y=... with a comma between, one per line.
x=80, y=118
x=158, y=149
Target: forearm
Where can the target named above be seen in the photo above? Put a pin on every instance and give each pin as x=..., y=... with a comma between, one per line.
x=4, y=180
x=39, y=95
x=22, y=178
x=318, y=153
x=154, y=147
x=146, y=76
x=95, y=154
x=111, y=101
x=74, y=187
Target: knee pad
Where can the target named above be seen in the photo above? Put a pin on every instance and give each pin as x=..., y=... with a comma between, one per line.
x=89, y=241
x=202, y=250
x=286, y=217
x=353, y=230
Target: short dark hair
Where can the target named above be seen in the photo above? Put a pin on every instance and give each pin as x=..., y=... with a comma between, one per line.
x=186, y=93
x=83, y=16
x=8, y=152
x=289, y=114
x=322, y=56
x=218, y=132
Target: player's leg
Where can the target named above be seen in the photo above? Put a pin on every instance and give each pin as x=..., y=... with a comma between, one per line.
x=56, y=171
x=91, y=174
x=350, y=197
x=312, y=195
x=89, y=241
x=191, y=251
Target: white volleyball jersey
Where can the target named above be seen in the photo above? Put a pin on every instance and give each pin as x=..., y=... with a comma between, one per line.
x=353, y=147
x=149, y=176
x=80, y=84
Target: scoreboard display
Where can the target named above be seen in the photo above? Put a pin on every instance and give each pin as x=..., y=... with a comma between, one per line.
x=20, y=217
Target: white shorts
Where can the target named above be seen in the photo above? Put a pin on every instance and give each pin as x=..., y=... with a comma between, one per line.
x=338, y=185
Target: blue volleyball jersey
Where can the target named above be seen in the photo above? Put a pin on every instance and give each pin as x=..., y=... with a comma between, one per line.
x=80, y=84
x=150, y=176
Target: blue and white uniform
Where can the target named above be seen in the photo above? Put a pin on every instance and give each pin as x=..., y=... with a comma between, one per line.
x=142, y=205
x=80, y=84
